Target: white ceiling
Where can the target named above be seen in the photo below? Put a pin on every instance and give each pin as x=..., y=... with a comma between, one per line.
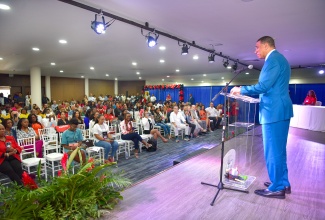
x=297, y=26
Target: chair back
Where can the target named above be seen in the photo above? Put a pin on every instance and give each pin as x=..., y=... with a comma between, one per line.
x=46, y=131
x=50, y=144
x=81, y=126
x=29, y=147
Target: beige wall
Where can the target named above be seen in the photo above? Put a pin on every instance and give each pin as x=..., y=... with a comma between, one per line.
x=104, y=87
x=67, y=88
x=19, y=83
x=133, y=87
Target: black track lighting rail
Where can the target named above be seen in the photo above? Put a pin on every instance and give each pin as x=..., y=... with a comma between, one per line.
x=146, y=27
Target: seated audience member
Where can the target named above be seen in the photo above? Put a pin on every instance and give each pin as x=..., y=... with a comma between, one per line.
x=63, y=119
x=14, y=116
x=92, y=122
x=76, y=115
x=49, y=119
x=193, y=128
x=9, y=130
x=196, y=119
x=148, y=122
x=72, y=138
x=127, y=133
x=23, y=113
x=54, y=106
x=159, y=119
x=203, y=117
x=104, y=139
x=87, y=118
x=214, y=116
x=10, y=163
x=310, y=98
x=178, y=121
x=34, y=123
x=24, y=131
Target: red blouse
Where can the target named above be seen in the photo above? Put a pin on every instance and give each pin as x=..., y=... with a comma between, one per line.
x=3, y=148
x=309, y=100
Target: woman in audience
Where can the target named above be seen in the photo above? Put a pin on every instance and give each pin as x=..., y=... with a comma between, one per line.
x=194, y=131
x=25, y=131
x=92, y=122
x=76, y=115
x=203, y=116
x=148, y=122
x=32, y=118
x=10, y=163
x=87, y=118
x=14, y=116
x=63, y=119
x=104, y=139
x=159, y=119
x=127, y=133
x=49, y=120
x=310, y=98
x=9, y=130
x=23, y=113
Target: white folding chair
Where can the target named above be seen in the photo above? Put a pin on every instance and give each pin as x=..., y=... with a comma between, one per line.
x=52, y=152
x=129, y=143
x=122, y=144
x=81, y=126
x=46, y=131
x=180, y=130
x=28, y=156
x=95, y=152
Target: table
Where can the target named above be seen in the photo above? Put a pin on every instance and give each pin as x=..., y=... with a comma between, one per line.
x=308, y=117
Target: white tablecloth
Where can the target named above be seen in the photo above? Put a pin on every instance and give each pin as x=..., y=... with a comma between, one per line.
x=308, y=117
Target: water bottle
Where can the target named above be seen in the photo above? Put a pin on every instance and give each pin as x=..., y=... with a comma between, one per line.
x=126, y=155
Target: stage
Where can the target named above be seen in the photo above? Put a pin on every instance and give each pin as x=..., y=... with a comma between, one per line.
x=177, y=193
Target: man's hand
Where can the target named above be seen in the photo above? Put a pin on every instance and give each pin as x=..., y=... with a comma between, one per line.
x=235, y=91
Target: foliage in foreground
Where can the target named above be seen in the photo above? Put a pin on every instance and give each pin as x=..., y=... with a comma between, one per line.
x=68, y=196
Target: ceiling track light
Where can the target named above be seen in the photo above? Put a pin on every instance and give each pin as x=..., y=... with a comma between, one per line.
x=100, y=26
x=211, y=58
x=185, y=48
x=234, y=67
x=226, y=63
x=151, y=38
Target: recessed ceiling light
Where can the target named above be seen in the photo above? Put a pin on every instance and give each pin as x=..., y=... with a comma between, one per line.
x=176, y=82
x=228, y=67
x=162, y=48
x=1, y=58
x=92, y=68
x=53, y=64
x=204, y=74
x=4, y=7
x=115, y=78
x=247, y=73
x=61, y=71
x=222, y=77
x=321, y=72
x=138, y=73
x=195, y=57
x=162, y=61
x=192, y=79
x=35, y=48
x=63, y=41
x=82, y=76
x=167, y=76
x=106, y=75
x=134, y=63
x=177, y=70
x=162, y=79
x=202, y=81
x=139, y=77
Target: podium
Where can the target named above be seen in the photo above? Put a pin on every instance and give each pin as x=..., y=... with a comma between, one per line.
x=239, y=137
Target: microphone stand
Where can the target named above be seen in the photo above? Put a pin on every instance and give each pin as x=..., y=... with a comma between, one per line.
x=220, y=185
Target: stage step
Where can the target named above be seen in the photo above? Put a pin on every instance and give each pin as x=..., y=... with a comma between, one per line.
x=188, y=156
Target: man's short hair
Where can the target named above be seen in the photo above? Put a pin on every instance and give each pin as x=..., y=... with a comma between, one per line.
x=73, y=121
x=267, y=40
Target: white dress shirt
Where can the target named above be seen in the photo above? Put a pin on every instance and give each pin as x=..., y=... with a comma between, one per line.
x=212, y=112
x=177, y=118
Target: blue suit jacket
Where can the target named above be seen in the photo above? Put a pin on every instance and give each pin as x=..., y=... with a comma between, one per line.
x=273, y=88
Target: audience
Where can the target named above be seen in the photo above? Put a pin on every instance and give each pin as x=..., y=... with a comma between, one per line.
x=148, y=122
x=310, y=98
x=63, y=119
x=9, y=130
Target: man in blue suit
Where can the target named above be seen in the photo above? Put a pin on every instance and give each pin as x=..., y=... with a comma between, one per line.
x=275, y=113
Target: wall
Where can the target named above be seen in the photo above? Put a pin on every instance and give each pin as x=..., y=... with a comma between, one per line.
x=133, y=87
x=97, y=87
x=19, y=83
x=67, y=88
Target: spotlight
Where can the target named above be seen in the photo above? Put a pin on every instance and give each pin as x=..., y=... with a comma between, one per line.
x=151, y=38
x=234, y=67
x=100, y=26
x=321, y=72
x=185, y=48
x=226, y=63
x=211, y=58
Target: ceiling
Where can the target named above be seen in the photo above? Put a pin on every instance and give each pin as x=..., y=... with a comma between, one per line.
x=297, y=26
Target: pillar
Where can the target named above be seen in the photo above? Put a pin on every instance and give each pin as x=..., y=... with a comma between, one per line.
x=48, y=87
x=36, y=86
x=87, y=87
x=116, y=87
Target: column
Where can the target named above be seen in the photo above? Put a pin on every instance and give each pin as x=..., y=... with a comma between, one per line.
x=87, y=87
x=48, y=87
x=116, y=87
x=35, y=86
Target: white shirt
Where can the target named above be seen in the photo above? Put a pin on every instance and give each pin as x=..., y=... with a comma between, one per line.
x=100, y=130
x=145, y=123
x=153, y=99
x=212, y=112
x=178, y=119
x=91, y=99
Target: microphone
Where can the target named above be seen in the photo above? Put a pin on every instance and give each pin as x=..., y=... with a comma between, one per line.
x=244, y=68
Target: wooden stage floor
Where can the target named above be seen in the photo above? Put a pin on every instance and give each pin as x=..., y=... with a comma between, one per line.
x=177, y=193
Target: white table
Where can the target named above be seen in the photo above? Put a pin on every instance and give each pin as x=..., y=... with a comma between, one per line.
x=308, y=117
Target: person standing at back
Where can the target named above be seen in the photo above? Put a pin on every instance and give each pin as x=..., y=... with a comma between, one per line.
x=274, y=114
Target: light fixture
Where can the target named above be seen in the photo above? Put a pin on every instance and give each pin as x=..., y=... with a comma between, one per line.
x=192, y=79
x=162, y=79
x=177, y=70
x=247, y=73
x=162, y=48
x=234, y=67
x=4, y=7
x=168, y=76
x=134, y=63
x=195, y=57
x=53, y=64
x=151, y=37
x=100, y=26
x=204, y=74
x=185, y=48
x=82, y=77
x=63, y=41
x=138, y=73
x=106, y=75
x=115, y=78
x=321, y=72
x=140, y=77
x=161, y=61
x=1, y=58
x=61, y=71
x=222, y=77
x=226, y=63
x=202, y=81
x=211, y=58
x=92, y=68
x=35, y=48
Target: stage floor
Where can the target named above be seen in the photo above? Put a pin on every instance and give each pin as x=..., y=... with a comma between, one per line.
x=177, y=193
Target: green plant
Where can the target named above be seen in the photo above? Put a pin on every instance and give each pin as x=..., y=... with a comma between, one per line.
x=69, y=196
